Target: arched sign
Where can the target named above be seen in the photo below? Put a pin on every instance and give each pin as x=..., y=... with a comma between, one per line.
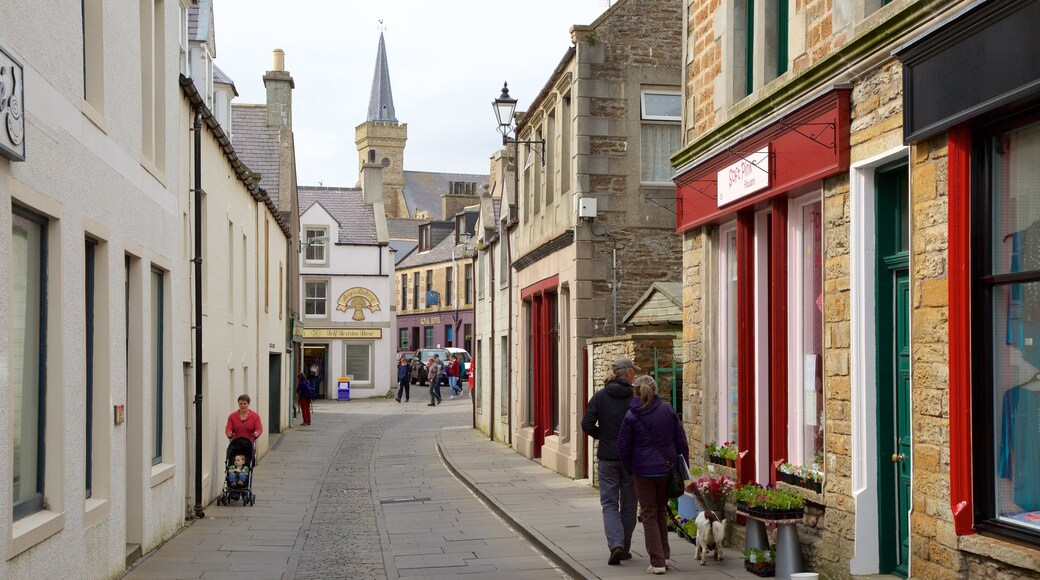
x=360, y=299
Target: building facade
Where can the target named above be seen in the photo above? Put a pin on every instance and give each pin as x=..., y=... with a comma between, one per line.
x=609, y=117
x=91, y=393
x=816, y=264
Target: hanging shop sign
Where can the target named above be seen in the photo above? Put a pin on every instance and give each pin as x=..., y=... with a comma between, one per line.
x=746, y=176
x=342, y=333
x=360, y=299
x=12, y=109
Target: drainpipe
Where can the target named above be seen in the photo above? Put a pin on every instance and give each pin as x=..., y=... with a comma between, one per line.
x=199, y=512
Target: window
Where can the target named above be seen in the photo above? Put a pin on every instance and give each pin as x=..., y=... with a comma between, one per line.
x=424, y=238
x=316, y=298
x=402, y=340
x=158, y=367
x=565, y=144
x=449, y=336
x=550, y=157
x=467, y=337
x=659, y=134
x=317, y=244
x=427, y=337
x=267, y=264
x=805, y=309
x=468, y=273
x=429, y=288
x=93, y=54
x=182, y=34
x=462, y=187
x=28, y=325
x=760, y=44
x=404, y=291
x=88, y=379
x=415, y=290
x=482, y=266
x=153, y=83
x=1007, y=320
x=231, y=298
x=449, y=285
x=357, y=362
x=727, y=352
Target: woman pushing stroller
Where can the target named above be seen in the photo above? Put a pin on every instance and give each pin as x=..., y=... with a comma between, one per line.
x=243, y=428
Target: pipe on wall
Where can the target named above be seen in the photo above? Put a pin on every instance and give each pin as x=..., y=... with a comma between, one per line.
x=199, y=512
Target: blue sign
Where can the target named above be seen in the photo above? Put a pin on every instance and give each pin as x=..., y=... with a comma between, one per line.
x=433, y=298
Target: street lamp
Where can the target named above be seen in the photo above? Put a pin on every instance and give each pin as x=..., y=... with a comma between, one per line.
x=505, y=107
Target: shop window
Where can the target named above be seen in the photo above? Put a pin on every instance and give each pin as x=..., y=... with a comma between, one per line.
x=317, y=245
x=805, y=443
x=727, y=353
x=28, y=341
x=661, y=114
x=1007, y=287
x=357, y=362
x=427, y=337
x=316, y=298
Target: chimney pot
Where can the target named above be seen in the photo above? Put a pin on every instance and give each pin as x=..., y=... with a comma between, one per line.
x=279, y=59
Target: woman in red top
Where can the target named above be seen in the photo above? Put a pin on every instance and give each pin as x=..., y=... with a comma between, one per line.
x=244, y=422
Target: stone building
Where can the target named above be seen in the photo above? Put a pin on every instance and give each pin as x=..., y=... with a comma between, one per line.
x=609, y=116
x=818, y=324
x=91, y=445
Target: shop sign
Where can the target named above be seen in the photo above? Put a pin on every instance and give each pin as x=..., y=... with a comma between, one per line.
x=744, y=177
x=12, y=111
x=430, y=320
x=342, y=333
x=360, y=299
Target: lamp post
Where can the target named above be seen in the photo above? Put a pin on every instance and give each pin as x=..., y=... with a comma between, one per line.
x=505, y=108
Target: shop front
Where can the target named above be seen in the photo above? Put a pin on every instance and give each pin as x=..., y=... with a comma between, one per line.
x=436, y=330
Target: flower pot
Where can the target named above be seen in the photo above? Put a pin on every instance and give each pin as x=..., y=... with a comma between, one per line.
x=776, y=514
x=761, y=569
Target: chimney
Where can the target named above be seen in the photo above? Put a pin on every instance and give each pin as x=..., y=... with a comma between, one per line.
x=279, y=85
x=372, y=179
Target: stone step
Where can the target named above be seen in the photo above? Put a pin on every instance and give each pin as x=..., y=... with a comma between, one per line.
x=133, y=554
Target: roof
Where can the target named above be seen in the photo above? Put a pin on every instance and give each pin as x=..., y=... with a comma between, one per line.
x=220, y=76
x=200, y=24
x=660, y=304
x=440, y=253
x=257, y=144
x=403, y=228
x=381, y=100
x=347, y=206
x=423, y=189
x=403, y=249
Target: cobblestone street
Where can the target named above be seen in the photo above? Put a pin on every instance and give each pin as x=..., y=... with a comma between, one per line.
x=377, y=489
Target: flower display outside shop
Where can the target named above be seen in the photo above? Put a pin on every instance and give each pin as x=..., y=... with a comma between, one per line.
x=712, y=492
x=724, y=454
x=760, y=561
x=809, y=477
x=686, y=528
x=768, y=503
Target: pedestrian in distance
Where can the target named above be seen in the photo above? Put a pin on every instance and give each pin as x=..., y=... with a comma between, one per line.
x=433, y=373
x=244, y=422
x=304, y=396
x=453, y=371
x=649, y=443
x=617, y=495
x=404, y=379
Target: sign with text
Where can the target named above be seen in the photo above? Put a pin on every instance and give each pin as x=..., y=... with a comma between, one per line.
x=342, y=333
x=430, y=320
x=744, y=177
x=360, y=299
x=12, y=112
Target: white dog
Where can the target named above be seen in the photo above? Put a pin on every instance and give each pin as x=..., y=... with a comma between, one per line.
x=711, y=532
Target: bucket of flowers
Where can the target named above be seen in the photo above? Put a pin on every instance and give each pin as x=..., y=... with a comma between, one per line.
x=712, y=492
x=760, y=562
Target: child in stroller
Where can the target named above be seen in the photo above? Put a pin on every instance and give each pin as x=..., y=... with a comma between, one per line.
x=238, y=482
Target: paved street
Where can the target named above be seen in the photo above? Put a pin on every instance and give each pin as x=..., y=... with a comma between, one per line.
x=377, y=489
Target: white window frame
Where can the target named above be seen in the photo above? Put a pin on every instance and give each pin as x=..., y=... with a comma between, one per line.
x=322, y=231
x=347, y=371
x=306, y=298
x=724, y=423
x=663, y=92
x=760, y=251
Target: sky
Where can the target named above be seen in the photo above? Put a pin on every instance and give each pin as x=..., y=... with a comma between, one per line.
x=448, y=60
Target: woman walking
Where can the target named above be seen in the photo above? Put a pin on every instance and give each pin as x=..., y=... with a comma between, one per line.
x=650, y=441
x=304, y=396
x=453, y=371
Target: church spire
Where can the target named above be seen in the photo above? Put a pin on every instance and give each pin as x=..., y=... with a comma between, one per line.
x=381, y=101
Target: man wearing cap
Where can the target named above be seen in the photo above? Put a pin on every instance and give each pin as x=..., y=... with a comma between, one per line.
x=617, y=494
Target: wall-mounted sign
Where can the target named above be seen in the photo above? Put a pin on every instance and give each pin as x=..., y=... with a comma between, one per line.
x=744, y=177
x=12, y=111
x=433, y=298
x=360, y=299
x=342, y=333
x=430, y=320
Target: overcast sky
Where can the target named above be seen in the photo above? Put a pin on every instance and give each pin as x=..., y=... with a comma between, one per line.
x=448, y=59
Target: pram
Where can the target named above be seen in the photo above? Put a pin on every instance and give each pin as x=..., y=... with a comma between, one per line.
x=246, y=448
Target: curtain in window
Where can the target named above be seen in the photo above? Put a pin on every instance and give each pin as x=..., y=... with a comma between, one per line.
x=658, y=142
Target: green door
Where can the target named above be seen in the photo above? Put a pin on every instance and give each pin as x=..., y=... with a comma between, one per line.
x=893, y=367
x=274, y=392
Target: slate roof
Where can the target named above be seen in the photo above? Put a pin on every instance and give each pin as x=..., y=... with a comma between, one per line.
x=403, y=249
x=257, y=145
x=346, y=205
x=423, y=189
x=381, y=100
x=403, y=228
x=440, y=253
x=200, y=23
x=220, y=76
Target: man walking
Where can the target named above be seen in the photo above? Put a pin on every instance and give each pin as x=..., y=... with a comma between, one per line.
x=617, y=494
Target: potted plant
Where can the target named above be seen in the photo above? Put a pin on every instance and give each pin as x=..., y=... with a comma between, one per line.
x=712, y=492
x=686, y=529
x=725, y=454
x=772, y=504
x=743, y=494
x=760, y=562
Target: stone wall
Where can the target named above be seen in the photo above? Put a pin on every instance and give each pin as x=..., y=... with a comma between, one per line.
x=695, y=386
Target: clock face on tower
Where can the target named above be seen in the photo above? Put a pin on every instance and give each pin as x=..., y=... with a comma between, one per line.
x=386, y=162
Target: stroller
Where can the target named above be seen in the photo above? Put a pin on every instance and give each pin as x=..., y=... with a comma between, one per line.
x=246, y=448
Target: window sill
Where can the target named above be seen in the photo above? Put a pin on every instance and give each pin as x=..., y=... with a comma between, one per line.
x=660, y=184
x=95, y=511
x=162, y=472
x=1000, y=550
x=96, y=117
x=151, y=168
x=33, y=529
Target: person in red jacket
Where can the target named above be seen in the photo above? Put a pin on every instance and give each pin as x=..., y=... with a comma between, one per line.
x=244, y=422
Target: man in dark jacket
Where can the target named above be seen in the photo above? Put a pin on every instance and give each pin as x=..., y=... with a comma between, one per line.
x=617, y=495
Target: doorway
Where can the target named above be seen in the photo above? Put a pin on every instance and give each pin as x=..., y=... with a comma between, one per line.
x=892, y=277
x=315, y=365
x=274, y=392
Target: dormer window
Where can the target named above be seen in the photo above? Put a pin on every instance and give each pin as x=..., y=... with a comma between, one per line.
x=424, y=238
x=462, y=187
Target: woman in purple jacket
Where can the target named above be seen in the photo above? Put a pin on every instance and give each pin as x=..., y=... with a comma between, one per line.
x=651, y=439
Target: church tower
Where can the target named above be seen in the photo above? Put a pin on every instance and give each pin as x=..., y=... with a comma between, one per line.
x=382, y=133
